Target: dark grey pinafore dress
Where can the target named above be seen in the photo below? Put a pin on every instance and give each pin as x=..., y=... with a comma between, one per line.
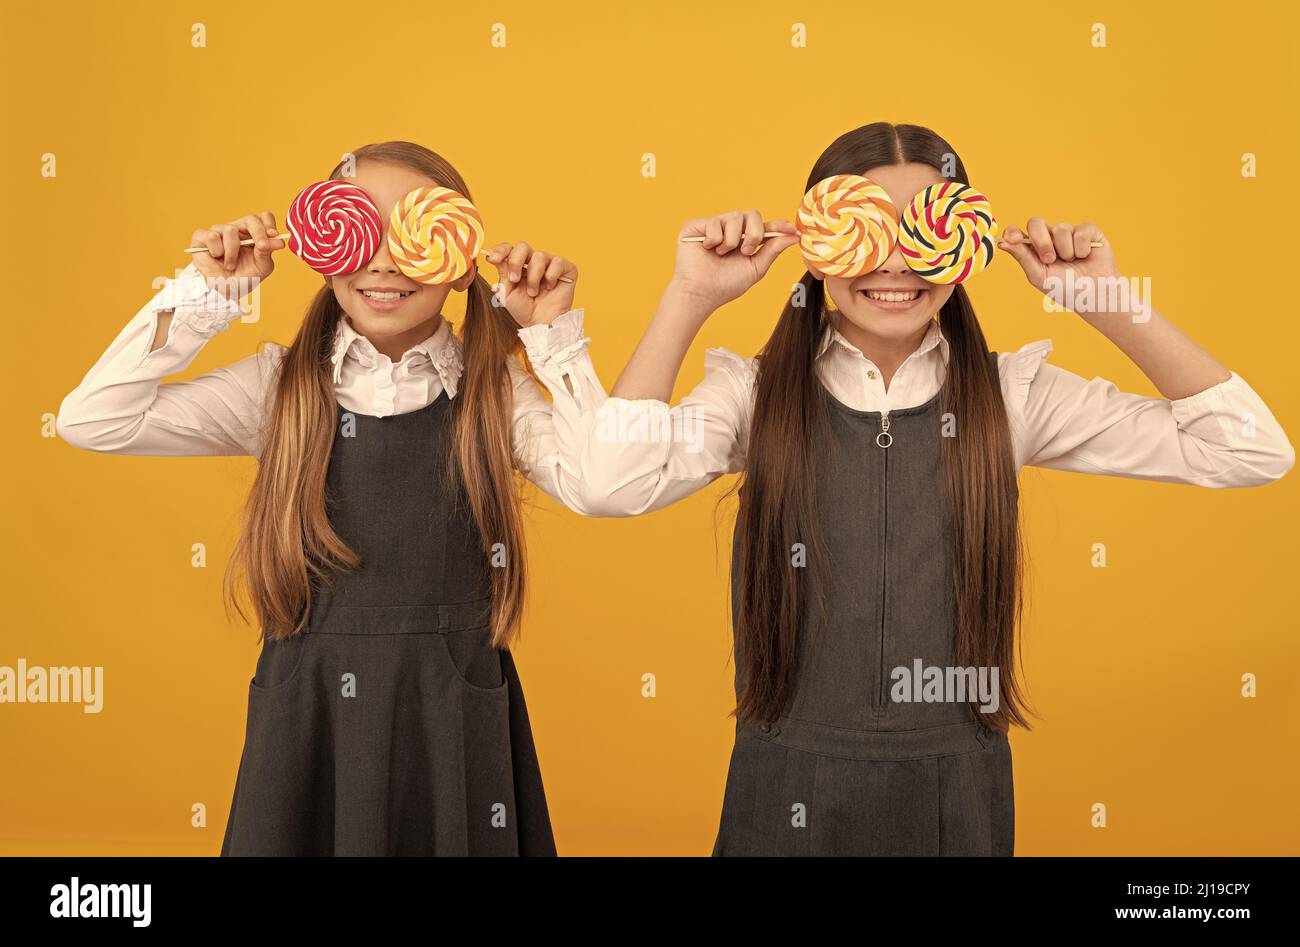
x=390, y=726
x=849, y=771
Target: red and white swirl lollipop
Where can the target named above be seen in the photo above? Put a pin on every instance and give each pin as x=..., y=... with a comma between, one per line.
x=433, y=233
x=334, y=227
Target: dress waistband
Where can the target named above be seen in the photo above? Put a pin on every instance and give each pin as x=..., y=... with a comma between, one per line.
x=331, y=618
x=948, y=740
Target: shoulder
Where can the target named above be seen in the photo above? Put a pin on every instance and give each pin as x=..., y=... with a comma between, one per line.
x=255, y=376
x=727, y=392
x=1018, y=369
x=266, y=360
x=724, y=365
x=523, y=381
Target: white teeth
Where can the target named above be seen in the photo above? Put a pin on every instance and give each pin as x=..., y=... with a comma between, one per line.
x=893, y=297
x=384, y=297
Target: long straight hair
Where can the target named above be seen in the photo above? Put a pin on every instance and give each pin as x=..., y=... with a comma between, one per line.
x=777, y=508
x=287, y=546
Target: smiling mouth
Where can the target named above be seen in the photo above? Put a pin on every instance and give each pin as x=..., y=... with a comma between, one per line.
x=898, y=299
x=892, y=295
x=386, y=295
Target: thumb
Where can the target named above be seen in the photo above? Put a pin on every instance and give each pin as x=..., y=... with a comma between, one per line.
x=262, y=260
x=1023, y=253
x=773, y=247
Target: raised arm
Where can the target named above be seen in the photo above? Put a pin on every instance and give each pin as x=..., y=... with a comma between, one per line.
x=1213, y=430
x=122, y=405
x=632, y=453
x=642, y=454
x=731, y=258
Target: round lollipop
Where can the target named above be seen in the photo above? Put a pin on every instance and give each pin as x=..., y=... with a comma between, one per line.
x=948, y=232
x=847, y=226
x=434, y=234
x=334, y=227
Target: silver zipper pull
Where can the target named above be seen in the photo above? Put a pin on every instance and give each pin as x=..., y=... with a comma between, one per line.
x=884, y=432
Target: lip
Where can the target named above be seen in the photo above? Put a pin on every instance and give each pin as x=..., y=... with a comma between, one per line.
x=384, y=305
x=881, y=305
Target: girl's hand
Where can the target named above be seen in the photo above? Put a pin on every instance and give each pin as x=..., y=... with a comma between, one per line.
x=1048, y=251
x=533, y=294
x=733, y=257
x=233, y=269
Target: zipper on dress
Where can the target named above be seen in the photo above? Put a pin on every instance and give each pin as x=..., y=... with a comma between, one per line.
x=883, y=440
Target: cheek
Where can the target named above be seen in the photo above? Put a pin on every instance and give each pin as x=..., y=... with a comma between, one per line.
x=430, y=300
x=838, y=290
x=941, y=295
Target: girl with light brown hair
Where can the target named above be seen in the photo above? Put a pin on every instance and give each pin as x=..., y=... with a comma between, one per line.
x=382, y=549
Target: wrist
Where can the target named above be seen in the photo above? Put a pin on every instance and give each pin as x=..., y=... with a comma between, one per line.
x=556, y=340
x=682, y=302
x=231, y=287
x=190, y=300
x=1123, y=304
x=545, y=318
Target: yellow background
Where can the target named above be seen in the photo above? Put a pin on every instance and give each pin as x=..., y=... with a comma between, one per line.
x=1135, y=667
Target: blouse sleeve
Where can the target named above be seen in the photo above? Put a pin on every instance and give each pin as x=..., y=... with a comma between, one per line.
x=1224, y=436
x=549, y=434
x=123, y=407
x=644, y=455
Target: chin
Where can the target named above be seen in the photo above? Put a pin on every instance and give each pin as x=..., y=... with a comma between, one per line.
x=381, y=326
x=389, y=319
x=889, y=325
x=888, y=305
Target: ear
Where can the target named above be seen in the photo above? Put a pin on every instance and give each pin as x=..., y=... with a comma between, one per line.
x=464, y=282
x=815, y=274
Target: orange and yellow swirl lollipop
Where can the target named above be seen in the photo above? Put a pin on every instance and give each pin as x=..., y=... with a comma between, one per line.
x=434, y=235
x=847, y=226
x=948, y=232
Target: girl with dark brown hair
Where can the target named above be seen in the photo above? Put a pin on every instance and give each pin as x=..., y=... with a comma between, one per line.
x=877, y=544
x=382, y=547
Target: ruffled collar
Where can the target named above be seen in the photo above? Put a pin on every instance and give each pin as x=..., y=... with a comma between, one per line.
x=934, y=338
x=442, y=349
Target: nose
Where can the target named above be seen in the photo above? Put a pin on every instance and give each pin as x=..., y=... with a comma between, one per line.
x=894, y=264
x=382, y=263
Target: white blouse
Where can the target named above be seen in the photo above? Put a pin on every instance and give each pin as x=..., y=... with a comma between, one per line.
x=642, y=455
x=123, y=407
x=605, y=456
